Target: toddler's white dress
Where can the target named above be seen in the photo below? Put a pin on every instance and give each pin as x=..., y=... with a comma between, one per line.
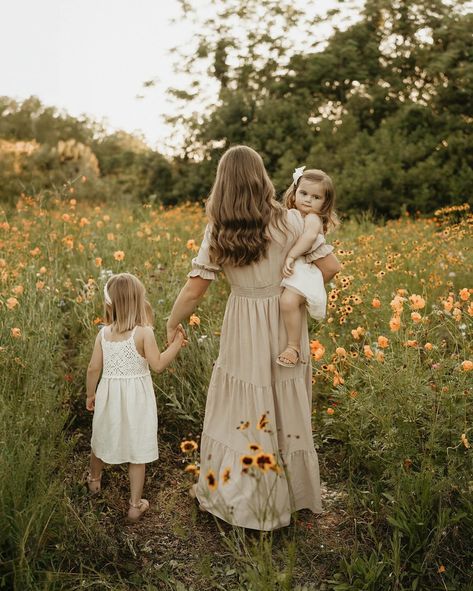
x=125, y=423
x=307, y=279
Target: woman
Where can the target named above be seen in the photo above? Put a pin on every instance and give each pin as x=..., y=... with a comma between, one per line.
x=258, y=461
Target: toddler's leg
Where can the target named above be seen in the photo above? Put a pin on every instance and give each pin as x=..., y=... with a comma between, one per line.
x=138, y=505
x=291, y=308
x=96, y=467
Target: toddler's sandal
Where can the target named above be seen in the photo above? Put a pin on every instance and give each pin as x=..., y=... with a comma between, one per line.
x=135, y=512
x=295, y=355
x=94, y=484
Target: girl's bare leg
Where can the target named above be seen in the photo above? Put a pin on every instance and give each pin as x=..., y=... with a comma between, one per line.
x=96, y=467
x=138, y=505
x=291, y=304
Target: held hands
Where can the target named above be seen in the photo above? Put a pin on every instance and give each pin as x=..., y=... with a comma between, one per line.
x=177, y=335
x=90, y=402
x=288, y=268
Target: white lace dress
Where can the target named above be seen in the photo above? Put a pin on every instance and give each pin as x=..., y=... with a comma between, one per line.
x=125, y=423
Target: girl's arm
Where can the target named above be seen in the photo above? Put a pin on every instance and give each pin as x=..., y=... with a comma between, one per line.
x=159, y=361
x=312, y=227
x=186, y=302
x=329, y=265
x=93, y=373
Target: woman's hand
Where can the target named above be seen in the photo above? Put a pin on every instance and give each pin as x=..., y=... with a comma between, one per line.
x=171, y=332
x=288, y=268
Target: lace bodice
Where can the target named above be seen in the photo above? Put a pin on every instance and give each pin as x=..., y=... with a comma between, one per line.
x=121, y=358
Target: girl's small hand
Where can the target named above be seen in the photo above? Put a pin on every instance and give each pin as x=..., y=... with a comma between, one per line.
x=288, y=268
x=180, y=337
x=172, y=331
x=90, y=403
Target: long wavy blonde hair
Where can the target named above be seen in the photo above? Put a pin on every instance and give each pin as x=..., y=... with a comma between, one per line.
x=241, y=205
x=328, y=215
x=129, y=306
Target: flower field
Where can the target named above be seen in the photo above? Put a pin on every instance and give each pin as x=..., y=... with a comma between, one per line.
x=392, y=413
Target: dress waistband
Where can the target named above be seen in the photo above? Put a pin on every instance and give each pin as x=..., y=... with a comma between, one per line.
x=267, y=291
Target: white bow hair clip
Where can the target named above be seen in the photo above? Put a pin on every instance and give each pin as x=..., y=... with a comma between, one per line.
x=108, y=299
x=298, y=172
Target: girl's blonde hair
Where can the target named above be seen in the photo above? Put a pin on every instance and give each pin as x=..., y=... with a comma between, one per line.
x=328, y=215
x=128, y=306
x=241, y=205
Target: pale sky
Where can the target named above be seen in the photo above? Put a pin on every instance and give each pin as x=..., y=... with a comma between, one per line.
x=92, y=57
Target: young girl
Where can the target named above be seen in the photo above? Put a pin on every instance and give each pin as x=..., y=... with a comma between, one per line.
x=313, y=194
x=125, y=422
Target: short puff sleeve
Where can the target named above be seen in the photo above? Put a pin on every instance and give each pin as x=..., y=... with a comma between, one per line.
x=201, y=264
x=318, y=250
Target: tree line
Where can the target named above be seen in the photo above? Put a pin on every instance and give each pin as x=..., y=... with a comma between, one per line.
x=384, y=107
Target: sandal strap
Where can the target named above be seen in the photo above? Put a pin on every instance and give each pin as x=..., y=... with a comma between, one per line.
x=138, y=506
x=90, y=479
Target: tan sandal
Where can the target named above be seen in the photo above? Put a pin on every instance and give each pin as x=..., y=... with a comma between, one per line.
x=94, y=488
x=142, y=507
x=288, y=355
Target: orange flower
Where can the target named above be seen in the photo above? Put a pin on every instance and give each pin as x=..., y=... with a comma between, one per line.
x=376, y=303
x=338, y=380
x=191, y=245
x=368, y=352
x=255, y=447
x=416, y=317
x=43, y=270
x=211, y=480
x=380, y=356
x=192, y=469
x=18, y=290
x=194, y=320
x=383, y=342
x=448, y=304
x=247, y=461
x=467, y=365
x=395, y=323
x=441, y=569
x=119, y=255
x=188, y=446
x=464, y=294
x=40, y=284
x=409, y=343
x=265, y=461
x=470, y=308
x=98, y=262
x=330, y=411
x=226, y=475
x=358, y=332
x=317, y=350
x=262, y=422
x=15, y=333
x=397, y=304
x=12, y=303
x=341, y=352
x=35, y=252
x=428, y=346
x=417, y=302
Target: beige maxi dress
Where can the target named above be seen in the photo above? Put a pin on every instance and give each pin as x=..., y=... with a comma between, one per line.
x=253, y=401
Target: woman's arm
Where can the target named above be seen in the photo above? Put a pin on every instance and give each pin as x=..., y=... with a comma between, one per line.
x=186, y=302
x=329, y=265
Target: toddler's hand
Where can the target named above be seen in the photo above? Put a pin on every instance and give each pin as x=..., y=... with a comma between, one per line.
x=180, y=337
x=288, y=268
x=90, y=403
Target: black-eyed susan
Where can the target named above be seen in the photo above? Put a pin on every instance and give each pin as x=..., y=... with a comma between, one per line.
x=255, y=447
x=212, y=482
x=188, y=446
x=243, y=425
x=192, y=469
x=226, y=475
x=247, y=461
x=265, y=461
x=263, y=422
